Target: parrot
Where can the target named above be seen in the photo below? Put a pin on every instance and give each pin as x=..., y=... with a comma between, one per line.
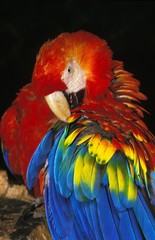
x=21, y=131
x=76, y=132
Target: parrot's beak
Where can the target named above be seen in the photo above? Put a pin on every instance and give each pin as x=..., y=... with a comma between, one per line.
x=61, y=103
x=58, y=104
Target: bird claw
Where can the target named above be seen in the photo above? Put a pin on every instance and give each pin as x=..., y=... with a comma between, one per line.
x=37, y=209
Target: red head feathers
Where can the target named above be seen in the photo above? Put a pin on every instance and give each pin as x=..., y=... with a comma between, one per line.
x=89, y=51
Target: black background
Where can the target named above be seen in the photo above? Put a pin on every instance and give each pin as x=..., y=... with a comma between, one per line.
x=128, y=27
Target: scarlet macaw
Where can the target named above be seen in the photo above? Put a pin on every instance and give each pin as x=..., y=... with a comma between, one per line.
x=21, y=131
x=97, y=161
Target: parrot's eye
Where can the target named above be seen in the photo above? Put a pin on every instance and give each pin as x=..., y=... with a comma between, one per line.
x=70, y=69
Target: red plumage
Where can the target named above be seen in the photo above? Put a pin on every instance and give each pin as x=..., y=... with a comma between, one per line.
x=90, y=52
x=22, y=127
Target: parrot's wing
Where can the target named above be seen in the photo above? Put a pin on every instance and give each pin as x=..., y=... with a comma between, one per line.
x=6, y=158
x=94, y=189
x=41, y=154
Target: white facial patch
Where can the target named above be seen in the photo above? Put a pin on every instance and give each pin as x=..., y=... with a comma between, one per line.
x=74, y=77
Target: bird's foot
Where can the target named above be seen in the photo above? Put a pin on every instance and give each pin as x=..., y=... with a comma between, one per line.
x=37, y=209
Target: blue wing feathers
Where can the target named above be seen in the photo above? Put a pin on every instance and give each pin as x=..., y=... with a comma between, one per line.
x=96, y=225
x=56, y=226
x=38, y=159
x=89, y=218
x=144, y=217
x=54, y=201
x=60, y=219
x=59, y=156
x=136, y=228
x=86, y=208
x=70, y=177
x=108, y=217
x=78, y=209
x=64, y=168
x=58, y=210
x=126, y=229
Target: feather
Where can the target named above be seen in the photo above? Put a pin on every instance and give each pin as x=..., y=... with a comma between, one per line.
x=79, y=211
x=105, y=151
x=72, y=136
x=121, y=184
x=107, y=214
x=93, y=144
x=135, y=225
x=129, y=231
x=144, y=216
x=38, y=159
x=85, y=139
x=94, y=215
x=6, y=158
x=59, y=221
x=152, y=187
x=59, y=154
x=70, y=176
x=67, y=162
x=90, y=177
x=79, y=164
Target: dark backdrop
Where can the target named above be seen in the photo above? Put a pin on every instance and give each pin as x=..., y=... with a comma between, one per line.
x=128, y=27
